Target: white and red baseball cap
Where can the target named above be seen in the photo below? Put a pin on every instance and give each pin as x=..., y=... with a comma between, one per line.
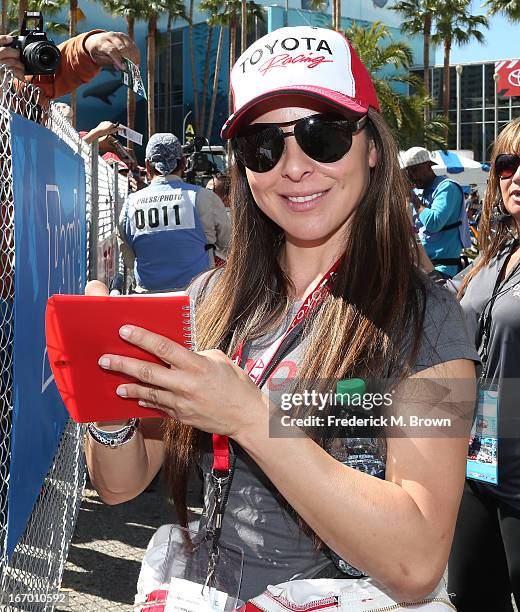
x=317, y=62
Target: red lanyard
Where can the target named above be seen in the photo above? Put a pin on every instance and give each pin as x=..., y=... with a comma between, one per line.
x=311, y=301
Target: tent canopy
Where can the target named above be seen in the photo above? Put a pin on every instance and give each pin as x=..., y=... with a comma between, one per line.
x=460, y=168
x=464, y=170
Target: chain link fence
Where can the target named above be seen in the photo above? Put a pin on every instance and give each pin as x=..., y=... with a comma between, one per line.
x=36, y=566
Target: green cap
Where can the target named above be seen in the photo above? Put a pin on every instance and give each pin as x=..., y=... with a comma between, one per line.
x=347, y=387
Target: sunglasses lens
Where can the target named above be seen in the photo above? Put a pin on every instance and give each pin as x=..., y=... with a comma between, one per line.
x=506, y=165
x=324, y=139
x=259, y=149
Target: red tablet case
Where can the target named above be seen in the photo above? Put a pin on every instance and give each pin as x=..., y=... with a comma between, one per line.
x=79, y=329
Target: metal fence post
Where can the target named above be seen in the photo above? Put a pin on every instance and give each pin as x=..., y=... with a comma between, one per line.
x=117, y=212
x=496, y=76
x=458, y=69
x=117, y=207
x=94, y=212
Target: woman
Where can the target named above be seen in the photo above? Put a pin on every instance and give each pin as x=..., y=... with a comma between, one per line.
x=486, y=549
x=318, y=203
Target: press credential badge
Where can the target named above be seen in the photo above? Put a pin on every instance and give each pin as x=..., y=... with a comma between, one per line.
x=482, y=463
x=131, y=77
x=187, y=596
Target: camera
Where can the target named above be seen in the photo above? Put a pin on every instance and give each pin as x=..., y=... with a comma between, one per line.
x=38, y=53
x=199, y=167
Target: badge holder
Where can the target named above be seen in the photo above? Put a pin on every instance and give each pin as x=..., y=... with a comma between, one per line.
x=199, y=572
x=131, y=77
x=482, y=462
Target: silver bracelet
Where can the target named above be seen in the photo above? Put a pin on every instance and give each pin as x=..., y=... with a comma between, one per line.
x=113, y=438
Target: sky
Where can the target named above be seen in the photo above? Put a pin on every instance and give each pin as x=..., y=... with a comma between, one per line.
x=502, y=42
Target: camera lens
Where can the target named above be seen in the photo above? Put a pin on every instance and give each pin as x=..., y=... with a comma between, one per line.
x=46, y=59
x=41, y=58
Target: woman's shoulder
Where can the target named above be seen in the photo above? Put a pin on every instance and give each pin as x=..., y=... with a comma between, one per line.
x=445, y=335
x=202, y=284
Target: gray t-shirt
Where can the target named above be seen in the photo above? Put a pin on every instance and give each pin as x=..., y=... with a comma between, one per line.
x=275, y=548
x=503, y=366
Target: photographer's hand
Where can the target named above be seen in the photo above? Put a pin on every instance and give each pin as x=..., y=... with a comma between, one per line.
x=11, y=57
x=109, y=49
x=136, y=182
x=105, y=128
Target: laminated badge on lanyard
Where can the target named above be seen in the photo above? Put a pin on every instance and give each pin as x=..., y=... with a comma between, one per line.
x=482, y=462
x=223, y=468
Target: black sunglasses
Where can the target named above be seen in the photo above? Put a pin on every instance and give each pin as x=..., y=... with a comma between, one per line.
x=326, y=138
x=506, y=165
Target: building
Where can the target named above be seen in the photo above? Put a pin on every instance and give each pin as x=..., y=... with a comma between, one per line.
x=478, y=119
x=105, y=98
x=174, y=80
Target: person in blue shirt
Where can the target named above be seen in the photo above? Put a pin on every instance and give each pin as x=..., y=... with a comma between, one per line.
x=439, y=212
x=169, y=230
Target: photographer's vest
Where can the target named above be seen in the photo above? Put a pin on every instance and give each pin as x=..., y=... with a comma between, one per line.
x=163, y=227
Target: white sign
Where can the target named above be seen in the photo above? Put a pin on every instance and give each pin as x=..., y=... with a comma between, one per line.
x=130, y=134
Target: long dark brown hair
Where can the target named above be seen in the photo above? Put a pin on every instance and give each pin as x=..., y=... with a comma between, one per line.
x=495, y=228
x=376, y=305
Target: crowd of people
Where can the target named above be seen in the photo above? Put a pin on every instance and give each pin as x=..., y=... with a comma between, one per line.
x=327, y=278
x=343, y=263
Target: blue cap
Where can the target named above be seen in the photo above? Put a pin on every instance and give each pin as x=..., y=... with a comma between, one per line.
x=164, y=151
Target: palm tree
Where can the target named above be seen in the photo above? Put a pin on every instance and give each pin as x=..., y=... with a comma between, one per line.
x=49, y=8
x=207, y=60
x=152, y=9
x=336, y=15
x=132, y=11
x=508, y=8
x=73, y=30
x=150, y=67
x=403, y=113
x=418, y=17
x=243, y=23
x=3, y=24
x=23, y=5
x=193, y=67
x=145, y=10
x=214, y=92
x=455, y=25
x=168, y=71
x=216, y=17
x=232, y=8
x=176, y=10
x=320, y=6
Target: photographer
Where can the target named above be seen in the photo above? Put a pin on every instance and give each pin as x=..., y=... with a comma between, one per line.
x=201, y=167
x=82, y=57
x=439, y=212
x=170, y=229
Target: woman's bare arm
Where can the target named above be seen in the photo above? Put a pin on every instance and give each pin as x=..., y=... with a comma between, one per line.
x=120, y=474
x=398, y=530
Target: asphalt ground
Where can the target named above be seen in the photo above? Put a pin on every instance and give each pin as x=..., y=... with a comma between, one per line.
x=107, y=548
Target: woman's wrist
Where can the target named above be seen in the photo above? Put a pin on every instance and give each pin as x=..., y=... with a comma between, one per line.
x=257, y=427
x=115, y=437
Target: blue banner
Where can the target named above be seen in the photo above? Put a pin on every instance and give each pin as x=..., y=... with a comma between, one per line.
x=50, y=257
